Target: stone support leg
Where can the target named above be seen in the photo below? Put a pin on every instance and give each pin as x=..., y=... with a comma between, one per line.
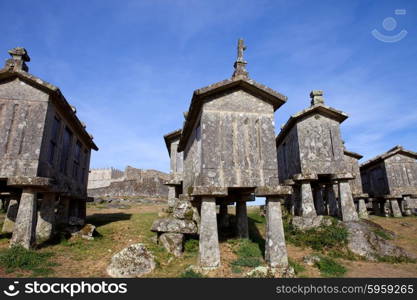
x=346, y=202
x=406, y=206
x=275, y=247
x=395, y=208
x=320, y=209
x=172, y=199
x=25, y=226
x=242, y=220
x=307, y=201
x=209, y=240
x=223, y=216
x=63, y=212
x=46, y=218
x=362, y=210
x=11, y=215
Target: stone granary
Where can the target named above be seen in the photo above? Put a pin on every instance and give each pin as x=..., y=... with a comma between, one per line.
x=352, y=164
x=44, y=155
x=311, y=159
x=391, y=179
x=229, y=156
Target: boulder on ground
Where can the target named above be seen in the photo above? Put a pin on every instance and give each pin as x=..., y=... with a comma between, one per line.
x=174, y=225
x=363, y=241
x=305, y=223
x=87, y=232
x=311, y=260
x=173, y=242
x=133, y=261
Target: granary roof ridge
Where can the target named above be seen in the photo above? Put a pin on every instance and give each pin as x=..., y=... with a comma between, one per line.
x=7, y=72
x=331, y=112
x=389, y=153
x=169, y=137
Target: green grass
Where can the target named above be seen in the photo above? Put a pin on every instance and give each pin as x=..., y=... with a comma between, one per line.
x=330, y=268
x=382, y=234
x=321, y=238
x=191, y=246
x=19, y=259
x=298, y=268
x=395, y=260
x=191, y=274
x=248, y=253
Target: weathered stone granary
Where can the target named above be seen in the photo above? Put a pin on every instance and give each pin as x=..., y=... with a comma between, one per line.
x=391, y=178
x=311, y=158
x=352, y=165
x=44, y=155
x=227, y=143
x=172, y=140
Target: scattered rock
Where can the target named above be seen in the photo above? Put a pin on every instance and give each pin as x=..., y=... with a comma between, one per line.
x=87, y=232
x=183, y=210
x=406, y=224
x=364, y=242
x=173, y=242
x=261, y=271
x=174, y=226
x=311, y=260
x=133, y=261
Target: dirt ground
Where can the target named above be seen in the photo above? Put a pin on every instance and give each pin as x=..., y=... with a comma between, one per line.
x=119, y=228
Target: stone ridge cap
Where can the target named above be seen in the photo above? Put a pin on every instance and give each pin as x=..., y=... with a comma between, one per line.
x=6, y=73
x=284, y=130
x=389, y=153
x=354, y=154
x=250, y=81
x=171, y=136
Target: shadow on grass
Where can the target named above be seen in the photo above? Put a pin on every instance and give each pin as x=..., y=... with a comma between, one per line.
x=5, y=235
x=103, y=219
x=255, y=235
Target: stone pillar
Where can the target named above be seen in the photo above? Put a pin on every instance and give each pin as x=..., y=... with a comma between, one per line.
x=82, y=210
x=11, y=214
x=25, y=226
x=172, y=199
x=46, y=218
x=386, y=208
x=275, y=247
x=242, y=227
x=362, y=210
x=318, y=191
x=375, y=207
x=209, y=240
x=395, y=208
x=307, y=208
x=346, y=202
x=331, y=200
x=406, y=206
x=62, y=216
x=224, y=217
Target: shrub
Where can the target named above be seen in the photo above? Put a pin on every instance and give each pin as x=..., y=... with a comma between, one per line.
x=330, y=268
x=191, y=274
x=191, y=246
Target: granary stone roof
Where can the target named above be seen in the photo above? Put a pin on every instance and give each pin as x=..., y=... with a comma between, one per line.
x=352, y=154
x=239, y=80
x=171, y=137
x=396, y=150
x=317, y=107
x=16, y=68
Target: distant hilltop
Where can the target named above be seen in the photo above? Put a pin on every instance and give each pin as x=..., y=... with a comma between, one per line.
x=132, y=182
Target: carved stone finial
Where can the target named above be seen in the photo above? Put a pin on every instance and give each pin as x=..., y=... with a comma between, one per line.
x=18, y=61
x=316, y=97
x=240, y=63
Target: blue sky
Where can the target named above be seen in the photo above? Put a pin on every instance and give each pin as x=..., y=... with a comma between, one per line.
x=130, y=67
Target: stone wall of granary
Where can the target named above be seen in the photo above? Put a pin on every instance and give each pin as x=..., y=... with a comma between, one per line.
x=103, y=177
x=321, y=146
x=238, y=147
x=176, y=159
x=22, y=115
x=352, y=166
x=192, y=159
x=374, y=180
x=68, y=160
x=289, y=156
x=401, y=174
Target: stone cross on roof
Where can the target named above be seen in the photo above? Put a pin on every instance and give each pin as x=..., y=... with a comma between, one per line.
x=240, y=63
x=18, y=61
